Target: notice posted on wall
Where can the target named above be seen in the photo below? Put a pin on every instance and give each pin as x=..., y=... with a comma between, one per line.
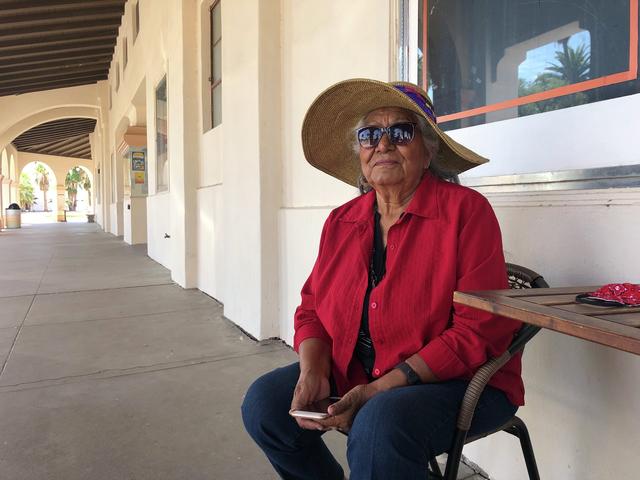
x=138, y=162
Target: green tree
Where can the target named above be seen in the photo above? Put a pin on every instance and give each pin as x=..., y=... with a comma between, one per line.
x=573, y=64
x=76, y=178
x=71, y=182
x=86, y=185
x=43, y=182
x=27, y=196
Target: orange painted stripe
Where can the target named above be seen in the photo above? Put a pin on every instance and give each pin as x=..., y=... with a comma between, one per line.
x=537, y=97
x=630, y=74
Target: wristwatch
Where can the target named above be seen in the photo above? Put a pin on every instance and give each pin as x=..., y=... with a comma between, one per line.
x=412, y=377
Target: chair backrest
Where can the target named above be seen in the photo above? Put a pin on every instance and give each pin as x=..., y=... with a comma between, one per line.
x=522, y=277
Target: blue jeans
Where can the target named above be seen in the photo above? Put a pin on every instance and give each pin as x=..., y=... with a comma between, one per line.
x=393, y=435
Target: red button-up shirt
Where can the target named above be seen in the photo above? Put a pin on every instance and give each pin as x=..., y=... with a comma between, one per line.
x=448, y=239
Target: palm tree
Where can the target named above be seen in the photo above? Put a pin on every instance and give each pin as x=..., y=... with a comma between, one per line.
x=26, y=192
x=86, y=185
x=574, y=65
x=76, y=178
x=71, y=182
x=43, y=182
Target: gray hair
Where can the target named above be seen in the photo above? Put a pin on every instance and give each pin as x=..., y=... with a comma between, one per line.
x=431, y=143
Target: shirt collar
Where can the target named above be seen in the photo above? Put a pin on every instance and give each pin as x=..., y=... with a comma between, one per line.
x=424, y=202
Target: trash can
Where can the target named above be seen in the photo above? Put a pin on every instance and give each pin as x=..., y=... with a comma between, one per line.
x=13, y=216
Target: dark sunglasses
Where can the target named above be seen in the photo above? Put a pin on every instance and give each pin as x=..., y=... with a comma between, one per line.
x=398, y=134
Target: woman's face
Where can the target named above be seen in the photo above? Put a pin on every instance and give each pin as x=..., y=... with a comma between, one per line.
x=393, y=166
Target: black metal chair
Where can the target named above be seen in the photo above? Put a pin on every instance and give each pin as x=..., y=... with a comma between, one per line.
x=519, y=277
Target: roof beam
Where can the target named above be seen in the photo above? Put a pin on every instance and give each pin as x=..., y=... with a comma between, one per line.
x=58, y=59
x=70, y=73
x=39, y=39
x=50, y=32
x=59, y=154
x=45, y=18
x=72, y=152
x=31, y=140
x=60, y=66
x=48, y=85
x=63, y=124
x=10, y=7
x=89, y=42
x=44, y=141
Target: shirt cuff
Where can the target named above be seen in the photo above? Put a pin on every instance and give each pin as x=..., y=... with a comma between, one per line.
x=310, y=330
x=442, y=360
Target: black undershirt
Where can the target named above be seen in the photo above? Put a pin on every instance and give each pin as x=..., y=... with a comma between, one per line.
x=365, y=351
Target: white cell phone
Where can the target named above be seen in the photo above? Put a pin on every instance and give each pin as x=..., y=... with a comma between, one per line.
x=315, y=411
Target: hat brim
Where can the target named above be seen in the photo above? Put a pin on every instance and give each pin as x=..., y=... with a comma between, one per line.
x=328, y=129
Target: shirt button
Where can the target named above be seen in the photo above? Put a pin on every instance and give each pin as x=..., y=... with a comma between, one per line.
x=376, y=372
x=392, y=246
x=374, y=305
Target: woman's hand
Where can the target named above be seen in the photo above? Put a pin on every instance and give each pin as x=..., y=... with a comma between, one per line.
x=313, y=383
x=311, y=387
x=342, y=413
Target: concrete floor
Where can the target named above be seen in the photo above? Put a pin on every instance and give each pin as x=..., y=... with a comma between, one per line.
x=111, y=371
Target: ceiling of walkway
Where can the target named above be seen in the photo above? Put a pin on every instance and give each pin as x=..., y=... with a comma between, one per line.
x=47, y=44
x=68, y=138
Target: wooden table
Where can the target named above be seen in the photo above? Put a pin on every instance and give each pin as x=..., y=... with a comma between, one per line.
x=557, y=310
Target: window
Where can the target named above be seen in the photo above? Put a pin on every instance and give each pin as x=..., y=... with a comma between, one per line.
x=125, y=54
x=136, y=20
x=215, y=78
x=488, y=60
x=117, y=76
x=114, y=178
x=162, y=157
x=98, y=186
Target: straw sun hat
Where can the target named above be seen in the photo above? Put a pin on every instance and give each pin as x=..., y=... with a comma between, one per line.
x=328, y=129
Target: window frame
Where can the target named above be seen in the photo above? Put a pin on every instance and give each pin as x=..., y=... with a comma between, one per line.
x=135, y=24
x=213, y=83
x=125, y=54
x=165, y=187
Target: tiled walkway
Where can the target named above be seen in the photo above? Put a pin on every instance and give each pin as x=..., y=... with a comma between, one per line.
x=110, y=371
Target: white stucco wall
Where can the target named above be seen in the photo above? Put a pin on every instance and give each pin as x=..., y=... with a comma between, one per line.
x=581, y=397
x=600, y=134
x=313, y=34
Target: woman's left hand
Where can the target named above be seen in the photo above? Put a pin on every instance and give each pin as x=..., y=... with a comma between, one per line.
x=342, y=413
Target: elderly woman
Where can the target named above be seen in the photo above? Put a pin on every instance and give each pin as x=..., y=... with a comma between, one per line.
x=376, y=324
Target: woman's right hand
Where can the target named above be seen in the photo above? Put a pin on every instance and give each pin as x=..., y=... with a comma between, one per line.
x=311, y=387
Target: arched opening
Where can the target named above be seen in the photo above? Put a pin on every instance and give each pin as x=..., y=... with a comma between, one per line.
x=37, y=192
x=78, y=185
x=4, y=184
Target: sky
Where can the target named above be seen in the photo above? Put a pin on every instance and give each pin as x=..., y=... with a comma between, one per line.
x=539, y=58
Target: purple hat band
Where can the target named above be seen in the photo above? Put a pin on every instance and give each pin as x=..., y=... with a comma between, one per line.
x=418, y=98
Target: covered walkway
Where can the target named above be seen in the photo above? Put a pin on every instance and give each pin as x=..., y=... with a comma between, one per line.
x=111, y=371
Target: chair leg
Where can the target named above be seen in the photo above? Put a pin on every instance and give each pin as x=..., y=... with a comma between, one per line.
x=454, y=455
x=519, y=429
x=435, y=468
